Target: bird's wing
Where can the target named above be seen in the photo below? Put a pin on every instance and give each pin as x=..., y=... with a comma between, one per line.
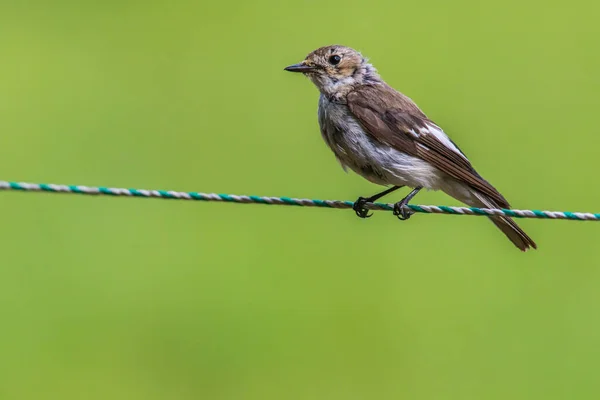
x=394, y=119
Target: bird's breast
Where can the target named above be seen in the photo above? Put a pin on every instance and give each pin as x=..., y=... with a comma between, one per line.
x=358, y=150
x=352, y=146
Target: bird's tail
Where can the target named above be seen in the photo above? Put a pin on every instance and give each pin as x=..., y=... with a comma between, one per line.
x=509, y=227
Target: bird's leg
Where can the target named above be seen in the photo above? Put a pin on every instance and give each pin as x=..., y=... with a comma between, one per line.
x=359, y=204
x=400, y=209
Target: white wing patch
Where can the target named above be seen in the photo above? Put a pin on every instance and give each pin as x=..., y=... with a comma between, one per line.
x=442, y=137
x=414, y=133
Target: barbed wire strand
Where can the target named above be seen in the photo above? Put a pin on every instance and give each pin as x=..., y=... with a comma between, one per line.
x=288, y=201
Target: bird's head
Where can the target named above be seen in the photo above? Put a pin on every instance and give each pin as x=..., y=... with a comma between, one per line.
x=335, y=70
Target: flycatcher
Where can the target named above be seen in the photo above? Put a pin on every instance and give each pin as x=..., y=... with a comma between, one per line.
x=382, y=135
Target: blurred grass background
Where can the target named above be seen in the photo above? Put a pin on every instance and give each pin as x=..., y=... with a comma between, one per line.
x=137, y=299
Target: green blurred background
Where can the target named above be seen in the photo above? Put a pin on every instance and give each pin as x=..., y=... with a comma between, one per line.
x=105, y=298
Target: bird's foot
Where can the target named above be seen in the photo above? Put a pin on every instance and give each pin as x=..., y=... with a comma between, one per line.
x=359, y=208
x=402, y=211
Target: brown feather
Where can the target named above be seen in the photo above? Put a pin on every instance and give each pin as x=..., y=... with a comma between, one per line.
x=394, y=119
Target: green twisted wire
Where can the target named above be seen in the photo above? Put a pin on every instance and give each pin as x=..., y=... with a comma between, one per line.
x=288, y=201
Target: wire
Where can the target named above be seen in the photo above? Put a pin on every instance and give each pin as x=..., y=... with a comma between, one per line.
x=287, y=201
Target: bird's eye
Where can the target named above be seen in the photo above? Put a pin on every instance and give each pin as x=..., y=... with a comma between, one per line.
x=335, y=59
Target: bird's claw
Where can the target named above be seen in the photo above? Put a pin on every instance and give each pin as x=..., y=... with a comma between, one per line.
x=402, y=212
x=359, y=208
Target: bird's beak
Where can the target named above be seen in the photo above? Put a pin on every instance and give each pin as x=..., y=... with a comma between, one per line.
x=300, y=67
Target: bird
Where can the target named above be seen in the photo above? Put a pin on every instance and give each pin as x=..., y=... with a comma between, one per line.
x=383, y=136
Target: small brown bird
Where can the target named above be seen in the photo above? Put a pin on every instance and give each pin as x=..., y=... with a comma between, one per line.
x=382, y=135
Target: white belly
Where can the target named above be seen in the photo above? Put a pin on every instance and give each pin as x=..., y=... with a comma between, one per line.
x=379, y=163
